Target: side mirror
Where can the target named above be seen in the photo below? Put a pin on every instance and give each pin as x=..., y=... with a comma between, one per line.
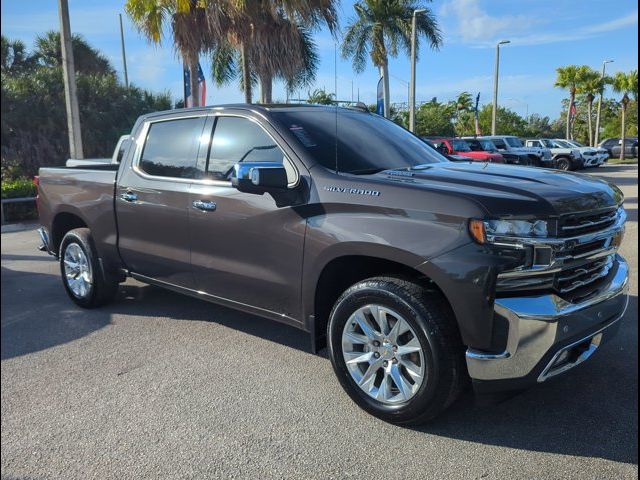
x=259, y=177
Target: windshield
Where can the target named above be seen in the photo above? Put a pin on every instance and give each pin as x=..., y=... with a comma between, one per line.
x=488, y=146
x=546, y=143
x=366, y=143
x=514, y=142
x=563, y=144
x=460, y=146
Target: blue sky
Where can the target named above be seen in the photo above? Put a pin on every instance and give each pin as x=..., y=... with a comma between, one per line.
x=545, y=34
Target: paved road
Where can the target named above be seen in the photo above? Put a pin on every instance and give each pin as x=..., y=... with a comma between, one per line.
x=163, y=386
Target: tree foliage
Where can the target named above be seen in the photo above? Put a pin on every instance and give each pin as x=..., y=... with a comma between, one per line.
x=34, y=125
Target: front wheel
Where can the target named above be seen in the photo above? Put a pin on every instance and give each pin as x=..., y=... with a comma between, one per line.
x=564, y=164
x=396, y=349
x=85, y=282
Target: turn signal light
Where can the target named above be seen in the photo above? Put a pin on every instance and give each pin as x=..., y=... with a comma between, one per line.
x=477, y=231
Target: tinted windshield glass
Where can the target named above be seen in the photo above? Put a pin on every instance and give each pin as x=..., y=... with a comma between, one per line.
x=461, y=146
x=577, y=144
x=514, y=142
x=487, y=145
x=547, y=143
x=562, y=144
x=366, y=143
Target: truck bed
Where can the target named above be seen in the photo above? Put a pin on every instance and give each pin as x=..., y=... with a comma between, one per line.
x=84, y=193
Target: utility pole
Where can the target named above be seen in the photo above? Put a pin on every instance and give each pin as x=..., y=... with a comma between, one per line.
x=412, y=80
x=597, y=135
x=70, y=91
x=494, y=113
x=124, y=55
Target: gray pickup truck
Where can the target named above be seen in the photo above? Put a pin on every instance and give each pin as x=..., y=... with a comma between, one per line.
x=416, y=273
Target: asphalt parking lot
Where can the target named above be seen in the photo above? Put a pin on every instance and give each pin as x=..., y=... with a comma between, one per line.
x=158, y=385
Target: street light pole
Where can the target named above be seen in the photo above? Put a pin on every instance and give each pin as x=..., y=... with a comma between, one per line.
x=412, y=81
x=494, y=113
x=124, y=56
x=70, y=91
x=597, y=135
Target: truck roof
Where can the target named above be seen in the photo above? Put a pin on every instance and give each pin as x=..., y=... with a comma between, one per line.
x=259, y=108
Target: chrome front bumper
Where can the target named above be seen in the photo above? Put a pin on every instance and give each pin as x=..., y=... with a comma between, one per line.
x=542, y=327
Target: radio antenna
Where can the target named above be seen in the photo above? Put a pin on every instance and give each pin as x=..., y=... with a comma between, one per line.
x=335, y=93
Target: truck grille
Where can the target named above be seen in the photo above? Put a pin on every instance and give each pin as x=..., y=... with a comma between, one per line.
x=573, y=225
x=582, y=276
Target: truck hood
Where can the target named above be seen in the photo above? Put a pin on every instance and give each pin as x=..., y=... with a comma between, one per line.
x=507, y=190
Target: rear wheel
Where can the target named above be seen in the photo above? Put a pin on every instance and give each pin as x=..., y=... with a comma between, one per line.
x=396, y=349
x=83, y=279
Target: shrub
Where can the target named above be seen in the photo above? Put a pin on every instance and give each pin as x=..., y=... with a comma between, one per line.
x=21, y=187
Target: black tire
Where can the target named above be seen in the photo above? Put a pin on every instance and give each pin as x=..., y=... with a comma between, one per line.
x=103, y=287
x=564, y=164
x=431, y=317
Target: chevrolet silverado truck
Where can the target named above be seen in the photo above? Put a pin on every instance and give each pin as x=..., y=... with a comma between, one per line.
x=416, y=273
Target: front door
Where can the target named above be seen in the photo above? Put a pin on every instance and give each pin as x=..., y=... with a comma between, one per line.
x=152, y=200
x=246, y=248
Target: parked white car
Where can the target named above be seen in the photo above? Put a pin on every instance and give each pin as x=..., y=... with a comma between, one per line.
x=565, y=156
x=593, y=156
x=536, y=156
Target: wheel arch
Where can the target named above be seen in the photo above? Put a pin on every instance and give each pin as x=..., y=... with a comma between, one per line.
x=343, y=271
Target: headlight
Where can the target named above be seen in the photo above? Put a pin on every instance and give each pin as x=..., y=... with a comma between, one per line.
x=484, y=231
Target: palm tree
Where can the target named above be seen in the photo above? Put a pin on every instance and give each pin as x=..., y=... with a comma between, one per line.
x=15, y=59
x=87, y=59
x=625, y=83
x=321, y=97
x=189, y=24
x=591, y=84
x=463, y=105
x=284, y=50
x=244, y=24
x=570, y=77
x=379, y=27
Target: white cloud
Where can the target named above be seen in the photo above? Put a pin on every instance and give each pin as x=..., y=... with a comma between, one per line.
x=474, y=24
x=467, y=22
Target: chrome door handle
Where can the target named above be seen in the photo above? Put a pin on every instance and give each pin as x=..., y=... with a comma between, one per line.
x=129, y=197
x=205, y=206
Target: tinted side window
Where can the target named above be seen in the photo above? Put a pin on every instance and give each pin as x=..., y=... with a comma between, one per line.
x=171, y=147
x=237, y=139
x=500, y=144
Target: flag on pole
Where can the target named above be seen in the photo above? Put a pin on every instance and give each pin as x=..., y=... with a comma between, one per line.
x=476, y=117
x=380, y=100
x=573, y=111
x=202, y=87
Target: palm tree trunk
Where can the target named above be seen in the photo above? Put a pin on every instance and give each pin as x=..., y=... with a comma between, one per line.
x=195, y=97
x=266, y=89
x=571, y=100
x=623, y=132
x=590, y=111
x=246, y=73
x=384, y=72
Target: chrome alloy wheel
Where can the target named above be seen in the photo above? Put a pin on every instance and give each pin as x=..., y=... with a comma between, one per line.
x=77, y=270
x=383, y=354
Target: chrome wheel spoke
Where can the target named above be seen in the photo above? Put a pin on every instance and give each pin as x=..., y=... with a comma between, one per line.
x=380, y=316
x=357, y=357
x=400, y=328
x=412, y=369
x=364, y=325
x=401, y=383
x=411, y=346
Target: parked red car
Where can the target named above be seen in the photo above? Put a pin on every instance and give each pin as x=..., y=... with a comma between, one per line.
x=458, y=146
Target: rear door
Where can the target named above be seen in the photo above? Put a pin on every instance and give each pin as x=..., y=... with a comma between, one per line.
x=248, y=248
x=152, y=198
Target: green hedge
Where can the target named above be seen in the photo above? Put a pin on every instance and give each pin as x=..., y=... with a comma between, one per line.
x=21, y=187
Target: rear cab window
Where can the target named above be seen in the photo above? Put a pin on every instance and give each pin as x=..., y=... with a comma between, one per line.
x=171, y=146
